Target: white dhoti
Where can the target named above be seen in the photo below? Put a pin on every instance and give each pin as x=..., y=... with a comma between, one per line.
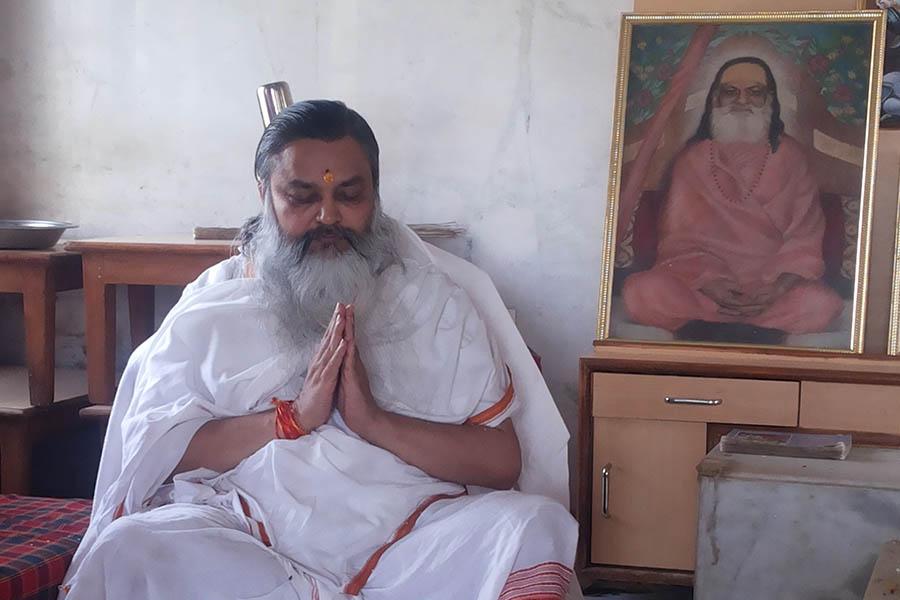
x=328, y=515
x=497, y=545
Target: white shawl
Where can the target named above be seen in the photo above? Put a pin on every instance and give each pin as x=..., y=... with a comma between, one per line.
x=130, y=473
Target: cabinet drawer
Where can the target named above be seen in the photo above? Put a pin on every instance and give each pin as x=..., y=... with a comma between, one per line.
x=850, y=407
x=701, y=399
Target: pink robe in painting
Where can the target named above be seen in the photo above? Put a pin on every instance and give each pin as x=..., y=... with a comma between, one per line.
x=737, y=212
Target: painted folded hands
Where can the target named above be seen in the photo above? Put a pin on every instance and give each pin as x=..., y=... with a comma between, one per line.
x=733, y=300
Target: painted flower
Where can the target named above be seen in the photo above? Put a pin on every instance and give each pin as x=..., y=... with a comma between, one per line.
x=644, y=99
x=659, y=40
x=642, y=44
x=843, y=93
x=643, y=72
x=665, y=71
x=851, y=74
x=833, y=55
x=818, y=64
x=847, y=40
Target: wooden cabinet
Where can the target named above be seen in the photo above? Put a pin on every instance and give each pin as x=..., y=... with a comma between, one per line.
x=651, y=516
x=648, y=416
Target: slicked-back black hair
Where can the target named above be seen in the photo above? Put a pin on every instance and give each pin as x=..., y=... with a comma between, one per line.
x=326, y=120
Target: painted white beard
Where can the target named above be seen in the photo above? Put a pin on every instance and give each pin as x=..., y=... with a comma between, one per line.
x=301, y=288
x=751, y=126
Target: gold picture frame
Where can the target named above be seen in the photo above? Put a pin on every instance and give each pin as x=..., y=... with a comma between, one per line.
x=847, y=106
x=893, y=342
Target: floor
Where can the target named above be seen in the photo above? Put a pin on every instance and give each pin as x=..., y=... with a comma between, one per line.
x=635, y=596
x=673, y=594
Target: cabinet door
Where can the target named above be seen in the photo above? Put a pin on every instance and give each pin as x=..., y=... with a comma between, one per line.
x=652, y=492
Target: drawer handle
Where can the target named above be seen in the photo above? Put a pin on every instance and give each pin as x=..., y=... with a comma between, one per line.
x=604, y=490
x=693, y=401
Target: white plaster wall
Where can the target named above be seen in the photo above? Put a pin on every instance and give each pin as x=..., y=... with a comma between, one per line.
x=140, y=117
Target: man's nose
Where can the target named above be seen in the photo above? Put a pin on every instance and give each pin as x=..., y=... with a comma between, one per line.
x=329, y=213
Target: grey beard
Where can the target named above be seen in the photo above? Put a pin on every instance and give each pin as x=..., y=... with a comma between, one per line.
x=730, y=127
x=300, y=288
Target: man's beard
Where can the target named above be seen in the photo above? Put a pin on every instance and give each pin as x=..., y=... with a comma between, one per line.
x=752, y=125
x=301, y=286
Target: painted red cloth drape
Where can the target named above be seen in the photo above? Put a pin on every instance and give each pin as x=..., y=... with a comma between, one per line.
x=630, y=192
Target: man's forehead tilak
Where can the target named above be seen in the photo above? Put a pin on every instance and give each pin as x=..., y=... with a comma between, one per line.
x=321, y=164
x=327, y=177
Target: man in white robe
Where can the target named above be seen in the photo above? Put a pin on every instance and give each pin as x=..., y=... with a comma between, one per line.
x=404, y=402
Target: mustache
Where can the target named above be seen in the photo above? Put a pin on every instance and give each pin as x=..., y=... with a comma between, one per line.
x=351, y=237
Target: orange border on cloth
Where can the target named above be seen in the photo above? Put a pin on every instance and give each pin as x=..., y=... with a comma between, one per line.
x=263, y=535
x=491, y=412
x=544, y=581
x=355, y=585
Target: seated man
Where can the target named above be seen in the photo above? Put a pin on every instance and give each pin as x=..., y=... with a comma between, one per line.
x=740, y=234
x=308, y=419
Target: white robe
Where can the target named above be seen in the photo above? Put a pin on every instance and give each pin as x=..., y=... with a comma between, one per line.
x=214, y=356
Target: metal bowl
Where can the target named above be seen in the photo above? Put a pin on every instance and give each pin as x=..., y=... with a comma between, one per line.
x=31, y=234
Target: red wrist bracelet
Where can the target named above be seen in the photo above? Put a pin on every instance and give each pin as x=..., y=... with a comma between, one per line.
x=286, y=425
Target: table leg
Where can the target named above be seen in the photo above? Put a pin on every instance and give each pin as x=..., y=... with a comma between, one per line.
x=15, y=458
x=39, y=297
x=140, y=313
x=100, y=334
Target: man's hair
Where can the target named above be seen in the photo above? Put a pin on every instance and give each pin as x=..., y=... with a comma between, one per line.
x=326, y=120
x=776, y=125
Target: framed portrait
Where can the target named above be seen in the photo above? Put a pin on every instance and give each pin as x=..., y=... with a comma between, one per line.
x=741, y=180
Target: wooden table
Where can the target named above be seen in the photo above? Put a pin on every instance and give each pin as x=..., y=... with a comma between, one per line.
x=32, y=401
x=38, y=275
x=140, y=263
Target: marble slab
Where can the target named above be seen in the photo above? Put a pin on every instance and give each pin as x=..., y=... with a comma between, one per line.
x=799, y=529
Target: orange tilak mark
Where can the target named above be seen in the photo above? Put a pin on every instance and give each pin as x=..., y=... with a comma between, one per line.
x=328, y=177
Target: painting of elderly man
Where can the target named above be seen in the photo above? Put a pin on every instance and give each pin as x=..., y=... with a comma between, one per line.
x=743, y=184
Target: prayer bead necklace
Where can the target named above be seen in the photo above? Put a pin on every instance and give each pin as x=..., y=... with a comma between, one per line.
x=756, y=180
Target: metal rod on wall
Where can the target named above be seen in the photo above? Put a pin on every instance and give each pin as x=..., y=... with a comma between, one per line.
x=273, y=98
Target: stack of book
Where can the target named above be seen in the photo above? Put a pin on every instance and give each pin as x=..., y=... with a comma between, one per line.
x=779, y=443
x=450, y=229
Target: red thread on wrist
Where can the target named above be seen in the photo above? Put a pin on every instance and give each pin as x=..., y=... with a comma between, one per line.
x=286, y=425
